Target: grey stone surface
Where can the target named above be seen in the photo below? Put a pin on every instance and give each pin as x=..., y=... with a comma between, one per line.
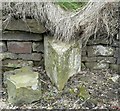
x=99, y=59
x=99, y=41
x=38, y=47
x=19, y=47
x=118, y=60
x=31, y=25
x=106, y=59
x=16, y=63
x=100, y=50
x=84, y=53
x=116, y=52
x=39, y=63
x=3, y=47
x=0, y=22
x=116, y=43
x=1, y=79
x=33, y=56
x=117, y=55
x=23, y=86
x=20, y=36
x=83, y=66
x=88, y=59
x=96, y=65
x=7, y=55
x=62, y=60
x=115, y=67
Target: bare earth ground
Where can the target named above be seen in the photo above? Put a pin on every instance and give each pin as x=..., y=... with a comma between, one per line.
x=102, y=91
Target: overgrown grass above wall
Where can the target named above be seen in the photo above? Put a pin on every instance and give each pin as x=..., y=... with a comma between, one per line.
x=73, y=6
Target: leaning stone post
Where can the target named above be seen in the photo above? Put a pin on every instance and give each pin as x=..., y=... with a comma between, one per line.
x=62, y=60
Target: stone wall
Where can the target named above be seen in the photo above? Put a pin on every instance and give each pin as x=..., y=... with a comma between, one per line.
x=27, y=48
x=102, y=53
x=18, y=45
x=21, y=48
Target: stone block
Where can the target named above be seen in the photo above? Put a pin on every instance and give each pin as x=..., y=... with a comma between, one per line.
x=23, y=86
x=38, y=47
x=62, y=60
x=7, y=55
x=100, y=50
x=39, y=63
x=19, y=47
x=33, y=56
x=96, y=65
x=116, y=43
x=31, y=25
x=83, y=66
x=88, y=59
x=118, y=60
x=1, y=79
x=3, y=47
x=117, y=55
x=16, y=63
x=99, y=41
x=106, y=59
x=20, y=36
x=99, y=59
x=115, y=67
x=84, y=53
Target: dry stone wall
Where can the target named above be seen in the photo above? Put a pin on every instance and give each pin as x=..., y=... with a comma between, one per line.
x=102, y=54
x=21, y=48
x=22, y=44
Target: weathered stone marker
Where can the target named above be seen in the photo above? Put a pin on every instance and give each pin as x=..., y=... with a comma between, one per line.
x=23, y=87
x=62, y=60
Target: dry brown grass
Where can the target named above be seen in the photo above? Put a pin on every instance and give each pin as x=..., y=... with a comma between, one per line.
x=64, y=25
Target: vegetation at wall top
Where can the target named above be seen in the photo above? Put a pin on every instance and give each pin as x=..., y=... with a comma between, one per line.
x=72, y=5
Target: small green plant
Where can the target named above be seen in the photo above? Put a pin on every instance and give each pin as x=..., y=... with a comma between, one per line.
x=71, y=5
x=83, y=93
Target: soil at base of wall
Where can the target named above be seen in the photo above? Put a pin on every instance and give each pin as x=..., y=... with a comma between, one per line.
x=102, y=86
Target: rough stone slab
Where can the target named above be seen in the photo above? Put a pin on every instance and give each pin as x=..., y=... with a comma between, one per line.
x=20, y=36
x=106, y=59
x=99, y=59
x=23, y=86
x=100, y=50
x=84, y=53
x=62, y=60
x=88, y=59
x=83, y=66
x=30, y=25
x=99, y=41
x=118, y=60
x=117, y=53
x=39, y=63
x=16, y=63
x=19, y=47
x=115, y=67
x=96, y=65
x=1, y=78
x=38, y=47
x=33, y=56
x=7, y=55
x=0, y=23
x=3, y=47
x=116, y=44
